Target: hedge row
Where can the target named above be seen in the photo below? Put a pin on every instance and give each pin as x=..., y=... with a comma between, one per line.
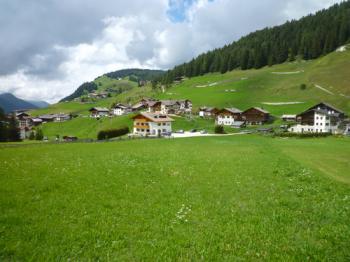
x=110, y=133
x=302, y=135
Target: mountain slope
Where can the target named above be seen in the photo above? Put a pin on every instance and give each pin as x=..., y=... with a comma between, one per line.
x=39, y=104
x=308, y=38
x=115, y=82
x=10, y=103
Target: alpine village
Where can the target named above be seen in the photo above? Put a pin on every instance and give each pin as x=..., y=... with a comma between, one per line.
x=240, y=154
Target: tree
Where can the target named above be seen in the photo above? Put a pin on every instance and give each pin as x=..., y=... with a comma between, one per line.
x=32, y=135
x=39, y=134
x=13, y=130
x=219, y=129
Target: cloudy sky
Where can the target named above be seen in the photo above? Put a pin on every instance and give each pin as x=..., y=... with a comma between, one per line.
x=49, y=47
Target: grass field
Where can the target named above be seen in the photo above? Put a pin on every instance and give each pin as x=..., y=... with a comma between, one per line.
x=213, y=199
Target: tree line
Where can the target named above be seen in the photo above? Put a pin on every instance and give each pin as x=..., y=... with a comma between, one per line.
x=9, y=131
x=308, y=38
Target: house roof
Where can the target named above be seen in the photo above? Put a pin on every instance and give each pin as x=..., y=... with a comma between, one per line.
x=121, y=106
x=153, y=103
x=155, y=117
x=37, y=119
x=138, y=105
x=21, y=114
x=323, y=111
x=262, y=110
x=169, y=102
x=326, y=104
x=99, y=109
x=289, y=116
x=233, y=110
x=47, y=116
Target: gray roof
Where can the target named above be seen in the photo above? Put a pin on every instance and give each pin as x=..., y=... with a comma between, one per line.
x=262, y=110
x=100, y=109
x=233, y=110
x=169, y=102
x=121, y=106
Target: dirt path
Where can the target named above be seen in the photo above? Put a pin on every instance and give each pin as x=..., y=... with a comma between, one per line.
x=324, y=89
x=281, y=103
x=287, y=73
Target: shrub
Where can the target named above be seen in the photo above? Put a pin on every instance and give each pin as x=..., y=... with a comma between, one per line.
x=31, y=135
x=302, y=86
x=110, y=133
x=302, y=135
x=219, y=129
x=39, y=134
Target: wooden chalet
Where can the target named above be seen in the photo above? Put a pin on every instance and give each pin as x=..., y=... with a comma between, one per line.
x=255, y=116
x=99, y=112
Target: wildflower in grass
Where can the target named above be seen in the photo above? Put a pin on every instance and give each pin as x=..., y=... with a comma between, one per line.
x=182, y=214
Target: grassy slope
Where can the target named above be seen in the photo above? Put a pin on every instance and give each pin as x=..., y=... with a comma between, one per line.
x=228, y=198
x=331, y=72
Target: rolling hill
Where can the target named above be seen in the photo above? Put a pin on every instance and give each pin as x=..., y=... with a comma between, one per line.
x=115, y=82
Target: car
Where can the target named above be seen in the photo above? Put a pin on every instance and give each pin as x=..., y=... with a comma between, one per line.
x=180, y=131
x=204, y=132
x=167, y=134
x=193, y=131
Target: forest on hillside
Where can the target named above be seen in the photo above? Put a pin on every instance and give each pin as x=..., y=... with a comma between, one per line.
x=308, y=38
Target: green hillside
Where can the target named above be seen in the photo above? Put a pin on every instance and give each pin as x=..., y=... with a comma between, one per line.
x=280, y=83
x=265, y=88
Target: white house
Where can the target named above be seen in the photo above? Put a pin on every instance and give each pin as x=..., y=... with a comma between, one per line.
x=120, y=109
x=321, y=118
x=227, y=116
x=152, y=124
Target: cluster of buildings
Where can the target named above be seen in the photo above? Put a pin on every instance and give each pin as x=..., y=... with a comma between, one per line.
x=26, y=122
x=154, y=118
x=150, y=105
x=235, y=117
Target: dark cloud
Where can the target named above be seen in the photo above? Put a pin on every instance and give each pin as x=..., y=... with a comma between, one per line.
x=29, y=28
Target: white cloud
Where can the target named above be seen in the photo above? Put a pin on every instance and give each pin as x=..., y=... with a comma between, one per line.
x=142, y=35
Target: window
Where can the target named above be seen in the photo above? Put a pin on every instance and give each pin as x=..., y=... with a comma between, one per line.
x=138, y=129
x=317, y=117
x=159, y=124
x=164, y=130
x=148, y=130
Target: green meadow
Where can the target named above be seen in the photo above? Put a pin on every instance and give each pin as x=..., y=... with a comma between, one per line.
x=228, y=198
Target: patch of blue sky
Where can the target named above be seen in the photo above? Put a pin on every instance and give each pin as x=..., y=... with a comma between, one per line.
x=177, y=9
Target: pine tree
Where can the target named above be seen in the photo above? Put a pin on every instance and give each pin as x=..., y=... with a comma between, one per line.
x=13, y=130
x=39, y=134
